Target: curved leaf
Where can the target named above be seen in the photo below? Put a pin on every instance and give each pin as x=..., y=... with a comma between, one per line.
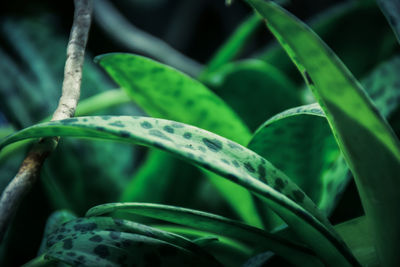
x=369, y=145
x=299, y=142
x=255, y=237
x=217, y=154
x=104, y=241
x=164, y=92
x=265, y=89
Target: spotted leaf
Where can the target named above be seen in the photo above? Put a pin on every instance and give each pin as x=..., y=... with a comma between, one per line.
x=258, y=239
x=369, y=145
x=217, y=154
x=104, y=241
x=164, y=92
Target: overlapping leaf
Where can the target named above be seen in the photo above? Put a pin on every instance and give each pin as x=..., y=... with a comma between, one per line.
x=371, y=149
x=219, y=155
x=164, y=92
x=254, y=89
x=258, y=239
x=104, y=241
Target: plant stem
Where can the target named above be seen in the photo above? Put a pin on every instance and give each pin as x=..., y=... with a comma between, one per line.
x=31, y=166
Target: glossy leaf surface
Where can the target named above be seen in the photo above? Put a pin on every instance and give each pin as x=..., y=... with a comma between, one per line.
x=370, y=148
x=217, y=154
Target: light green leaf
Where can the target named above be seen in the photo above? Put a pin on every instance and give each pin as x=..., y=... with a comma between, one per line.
x=369, y=146
x=164, y=92
x=260, y=240
x=347, y=28
x=216, y=154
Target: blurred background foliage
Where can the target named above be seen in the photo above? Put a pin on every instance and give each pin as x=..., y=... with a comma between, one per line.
x=186, y=35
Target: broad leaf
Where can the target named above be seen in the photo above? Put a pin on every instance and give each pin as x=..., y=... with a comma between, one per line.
x=257, y=238
x=369, y=146
x=164, y=92
x=104, y=241
x=347, y=28
x=254, y=89
x=219, y=155
x=356, y=234
x=299, y=142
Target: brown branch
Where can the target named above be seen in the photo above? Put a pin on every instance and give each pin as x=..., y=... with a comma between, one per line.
x=27, y=175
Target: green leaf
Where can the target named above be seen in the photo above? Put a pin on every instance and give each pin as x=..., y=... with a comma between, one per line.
x=259, y=239
x=356, y=234
x=227, y=250
x=216, y=154
x=53, y=222
x=231, y=48
x=391, y=9
x=347, y=28
x=369, y=146
x=103, y=240
x=300, y=144
x=266, y=90
x=164, y=92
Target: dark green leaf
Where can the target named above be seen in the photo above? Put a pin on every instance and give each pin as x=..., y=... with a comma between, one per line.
x=259, y=239
x=369, y=146
x=265, y=89
x=391, y=9
x=217, y=154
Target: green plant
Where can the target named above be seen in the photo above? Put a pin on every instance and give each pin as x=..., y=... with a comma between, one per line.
x=282, y=181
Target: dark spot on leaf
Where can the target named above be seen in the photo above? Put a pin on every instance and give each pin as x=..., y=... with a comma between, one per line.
x=168, y=129
x=249, y=168
x=59, y=237
x=99, y=128
x=106, y=117
x=159, y=134
x=85, y=227
x=126, y=243
x=214, y=145
x=72, y=120
x=71, y=254
x=187, y=135
x=67, y=243
x=177, y=125
x=101, y=251
x=298, y=196
x=117, y=124
x=279, y=184
x=115, y=234
x=235, y=163
x=202, y=149
x=146, y=125
x=225, y=161
x=96, y=238
x=118, y=222
x=234, y=146
x=261, y=171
